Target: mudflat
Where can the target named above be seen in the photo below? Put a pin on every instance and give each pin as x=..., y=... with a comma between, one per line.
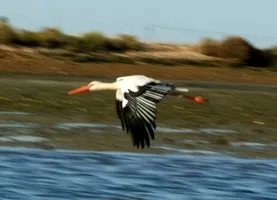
x=240, y=118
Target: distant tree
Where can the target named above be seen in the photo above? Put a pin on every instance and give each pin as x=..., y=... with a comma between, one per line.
x=4, y=19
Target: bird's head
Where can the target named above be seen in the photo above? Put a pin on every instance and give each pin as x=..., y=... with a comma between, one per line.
x=92, y=86
x=95, y=86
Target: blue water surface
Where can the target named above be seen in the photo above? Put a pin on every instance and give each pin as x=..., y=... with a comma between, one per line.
x=33, y=174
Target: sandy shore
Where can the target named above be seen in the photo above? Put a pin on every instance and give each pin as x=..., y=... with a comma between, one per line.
x=21, y=61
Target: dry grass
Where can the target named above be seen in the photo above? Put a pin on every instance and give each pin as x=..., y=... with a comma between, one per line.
x=239, y=50
x=209, y=47
x=97, y=47
x=30, y=61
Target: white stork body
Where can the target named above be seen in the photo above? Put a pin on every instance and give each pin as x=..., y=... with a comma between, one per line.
x=136, y=99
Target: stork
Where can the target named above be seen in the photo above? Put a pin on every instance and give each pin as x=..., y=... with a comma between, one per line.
x=136, y=100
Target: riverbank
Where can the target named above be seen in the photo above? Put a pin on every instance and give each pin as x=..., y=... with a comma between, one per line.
x=37, y=112
x=96, y=47
x=16, y=61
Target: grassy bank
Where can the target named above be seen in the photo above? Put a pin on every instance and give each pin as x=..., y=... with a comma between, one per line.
x=251, y=113
x=97, y=47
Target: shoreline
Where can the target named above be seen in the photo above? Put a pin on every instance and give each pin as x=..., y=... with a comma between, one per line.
x=240, y=98
x=251, y=113
x=93, y=46
x=61, y=69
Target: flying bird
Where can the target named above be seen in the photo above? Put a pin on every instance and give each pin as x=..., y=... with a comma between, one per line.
x=136, y=99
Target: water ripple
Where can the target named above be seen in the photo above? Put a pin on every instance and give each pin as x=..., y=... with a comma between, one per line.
x=64, y=174
x=14, y=113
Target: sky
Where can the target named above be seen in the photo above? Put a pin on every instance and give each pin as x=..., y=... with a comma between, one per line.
x=185, y=21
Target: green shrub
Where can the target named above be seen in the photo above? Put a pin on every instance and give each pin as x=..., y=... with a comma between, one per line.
x=93, y=41
x=124, y=43
x=272, y=50
x=262, y=58
x=234, y=50
x=116, y=45
x=272, y=53
x=4, y=19
x=7, y=34
x=28, y=38
x=103, y=58
x=131, y=42
x=51, y=38
x=72, y=43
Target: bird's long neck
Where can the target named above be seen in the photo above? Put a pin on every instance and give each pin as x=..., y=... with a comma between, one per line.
x=108, y=86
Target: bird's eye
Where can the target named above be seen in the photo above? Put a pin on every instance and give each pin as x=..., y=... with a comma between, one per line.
x=91, y=84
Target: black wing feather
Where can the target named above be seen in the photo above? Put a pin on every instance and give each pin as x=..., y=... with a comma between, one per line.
x=139, y=115
x=119, y=111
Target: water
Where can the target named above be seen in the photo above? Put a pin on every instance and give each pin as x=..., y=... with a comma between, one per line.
x=71, y=125
x=180, y=174
x=13, y=113
x=63, y=174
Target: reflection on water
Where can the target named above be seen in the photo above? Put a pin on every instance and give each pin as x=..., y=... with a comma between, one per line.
x=27, y=173
x=13, y=113
x=186, y=151
x=71, y=125
x=253, y=144
x=6, y=124
x=23, y=138
x=59, y=174
x=14, y=131
x=215, y=131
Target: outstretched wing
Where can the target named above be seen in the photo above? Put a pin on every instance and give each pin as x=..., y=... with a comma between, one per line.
x=138, y=116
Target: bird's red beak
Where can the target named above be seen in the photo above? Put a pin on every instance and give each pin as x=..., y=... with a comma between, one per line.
x=79, y=90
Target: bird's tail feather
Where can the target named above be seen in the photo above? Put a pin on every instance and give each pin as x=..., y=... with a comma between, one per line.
x=197, y=99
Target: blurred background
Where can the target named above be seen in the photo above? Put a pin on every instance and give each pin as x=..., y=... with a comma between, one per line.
x=56, y=146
